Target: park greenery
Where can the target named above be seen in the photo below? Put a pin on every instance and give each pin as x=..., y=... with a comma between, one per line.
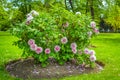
x=107, y=49
x=63, y=30
x=61, y=35
x=105, y=12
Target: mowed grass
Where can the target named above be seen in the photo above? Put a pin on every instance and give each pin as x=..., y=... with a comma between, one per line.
x=107, y=50
x=8, y=52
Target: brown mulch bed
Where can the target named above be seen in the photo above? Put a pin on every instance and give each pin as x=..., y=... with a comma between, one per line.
x=29, y=69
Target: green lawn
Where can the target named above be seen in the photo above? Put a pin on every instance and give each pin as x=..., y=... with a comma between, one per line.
x=107, y=51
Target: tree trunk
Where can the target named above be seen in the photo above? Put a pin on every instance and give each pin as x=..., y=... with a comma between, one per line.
x=86, y=7
x=25, y=6
x=29, y=7
x=91, y=9
x=65, y=4
x=71, y=4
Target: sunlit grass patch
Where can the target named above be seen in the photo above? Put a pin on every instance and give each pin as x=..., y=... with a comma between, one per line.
x=107, y=48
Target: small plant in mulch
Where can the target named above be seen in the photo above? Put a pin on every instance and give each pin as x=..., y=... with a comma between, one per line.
x=57, y=34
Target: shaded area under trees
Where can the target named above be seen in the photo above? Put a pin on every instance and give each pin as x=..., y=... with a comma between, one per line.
x=14, y=11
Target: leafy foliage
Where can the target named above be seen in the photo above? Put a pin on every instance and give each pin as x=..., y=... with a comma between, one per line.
x=114, y=17
x=3, y=19
x=57, y=34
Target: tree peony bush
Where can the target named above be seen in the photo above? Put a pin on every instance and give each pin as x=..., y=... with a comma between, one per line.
x=57, y=34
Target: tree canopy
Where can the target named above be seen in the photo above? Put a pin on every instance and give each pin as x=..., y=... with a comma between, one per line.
x=13, y=11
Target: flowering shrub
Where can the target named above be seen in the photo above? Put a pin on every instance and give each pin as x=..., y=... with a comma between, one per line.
x=57, y=34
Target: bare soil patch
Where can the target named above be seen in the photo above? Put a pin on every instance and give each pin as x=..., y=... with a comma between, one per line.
x=29, y=69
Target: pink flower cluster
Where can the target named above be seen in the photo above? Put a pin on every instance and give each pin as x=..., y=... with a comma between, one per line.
x=93, y=25
x=29, y=19
x=74, y=50
x=86, y=51
x=96, y=30
x=38, y=50
x=91, y=53
x=57, y=48
x=34, y=47
x=64, y=40
x=92, y=58
x=30, y=16
x=47, y=51
x=73, y=47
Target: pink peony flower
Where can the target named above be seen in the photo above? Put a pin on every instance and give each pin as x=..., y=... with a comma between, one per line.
x=66, y=24
x=92, y=58
x=29, y=18
x=92, y=52
x=74, y=50
x=28, y=15
x=31, y=41
x=57, y=48
x=33, y=47
x=64, y=40
x=96, y=30
x=47, y=50
x=39, y=50
x=93, y=24
x=86, y=51
x=73, y=45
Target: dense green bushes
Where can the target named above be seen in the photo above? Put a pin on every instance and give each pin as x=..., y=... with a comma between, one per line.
x=57, y=34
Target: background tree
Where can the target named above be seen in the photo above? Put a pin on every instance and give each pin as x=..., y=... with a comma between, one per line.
x=13, y=11
x=4, y=16
x=112, y=16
